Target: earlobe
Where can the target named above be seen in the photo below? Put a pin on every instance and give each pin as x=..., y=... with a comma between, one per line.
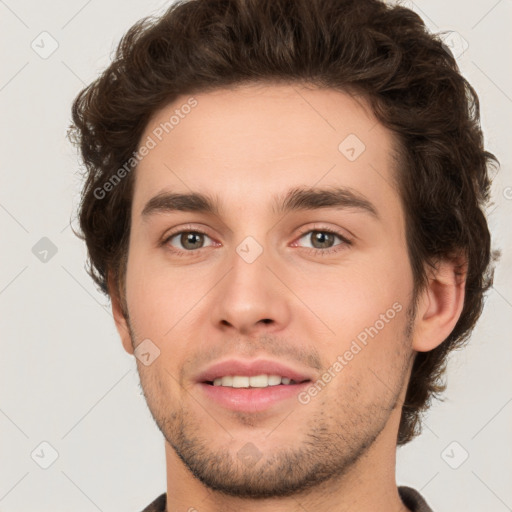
x=440, y=304
x=119, y=317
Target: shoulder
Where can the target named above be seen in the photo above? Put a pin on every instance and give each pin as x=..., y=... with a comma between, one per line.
x=158, y=505
x=413, y=500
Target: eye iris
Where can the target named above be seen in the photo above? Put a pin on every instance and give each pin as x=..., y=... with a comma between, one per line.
x=321, y=237
x=191, y=238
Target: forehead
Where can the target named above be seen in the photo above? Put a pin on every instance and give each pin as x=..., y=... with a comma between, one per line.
x=240, y=143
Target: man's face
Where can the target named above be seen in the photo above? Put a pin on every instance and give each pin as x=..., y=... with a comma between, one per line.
x=305, y=287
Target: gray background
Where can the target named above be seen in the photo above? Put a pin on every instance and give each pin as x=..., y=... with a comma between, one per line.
x=64, y=377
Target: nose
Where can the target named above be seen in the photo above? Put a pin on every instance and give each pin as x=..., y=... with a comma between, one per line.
x=251, y=297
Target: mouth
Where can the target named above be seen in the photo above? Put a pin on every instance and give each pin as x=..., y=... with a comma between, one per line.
x=255, y=381
x=252, y=385
x=252, y=399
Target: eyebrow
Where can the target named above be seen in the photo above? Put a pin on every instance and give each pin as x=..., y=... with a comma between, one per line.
x=296, y=199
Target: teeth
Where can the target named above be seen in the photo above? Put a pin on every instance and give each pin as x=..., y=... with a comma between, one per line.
x=226, y=381
x=240, y=382
x=257, y=381
x=274, y=380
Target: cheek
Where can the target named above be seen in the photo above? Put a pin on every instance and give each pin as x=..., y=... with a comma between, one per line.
x=365, y=301
x=159, y=296
x=349, y=298
x=144, y=288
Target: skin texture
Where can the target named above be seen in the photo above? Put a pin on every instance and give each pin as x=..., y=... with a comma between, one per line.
x=290, y=304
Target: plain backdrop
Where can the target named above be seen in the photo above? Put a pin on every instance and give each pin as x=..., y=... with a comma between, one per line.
x=69, y=395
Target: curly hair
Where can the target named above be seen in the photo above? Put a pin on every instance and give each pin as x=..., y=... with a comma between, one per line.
x=384, y=53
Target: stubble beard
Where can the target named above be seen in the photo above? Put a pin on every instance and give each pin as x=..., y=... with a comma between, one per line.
x=329, y=446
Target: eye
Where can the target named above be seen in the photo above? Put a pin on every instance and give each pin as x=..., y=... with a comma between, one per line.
x=188, y=240
x=322, y=240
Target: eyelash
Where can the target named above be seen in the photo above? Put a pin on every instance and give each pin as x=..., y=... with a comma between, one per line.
x=322, y=252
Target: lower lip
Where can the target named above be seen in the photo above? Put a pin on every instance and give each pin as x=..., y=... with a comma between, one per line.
x=252, y=399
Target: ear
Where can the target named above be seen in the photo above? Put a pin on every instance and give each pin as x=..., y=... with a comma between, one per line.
x=119, y=317
x=440, y=304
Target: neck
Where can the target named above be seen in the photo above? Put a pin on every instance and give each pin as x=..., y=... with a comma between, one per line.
x=368, y=485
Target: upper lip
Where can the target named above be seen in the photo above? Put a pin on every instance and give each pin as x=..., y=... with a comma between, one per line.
x=250, y=369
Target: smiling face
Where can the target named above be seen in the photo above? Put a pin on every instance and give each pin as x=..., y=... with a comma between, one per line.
x=289, y=247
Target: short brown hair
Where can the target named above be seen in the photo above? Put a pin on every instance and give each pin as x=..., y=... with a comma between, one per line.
x=383, y=53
